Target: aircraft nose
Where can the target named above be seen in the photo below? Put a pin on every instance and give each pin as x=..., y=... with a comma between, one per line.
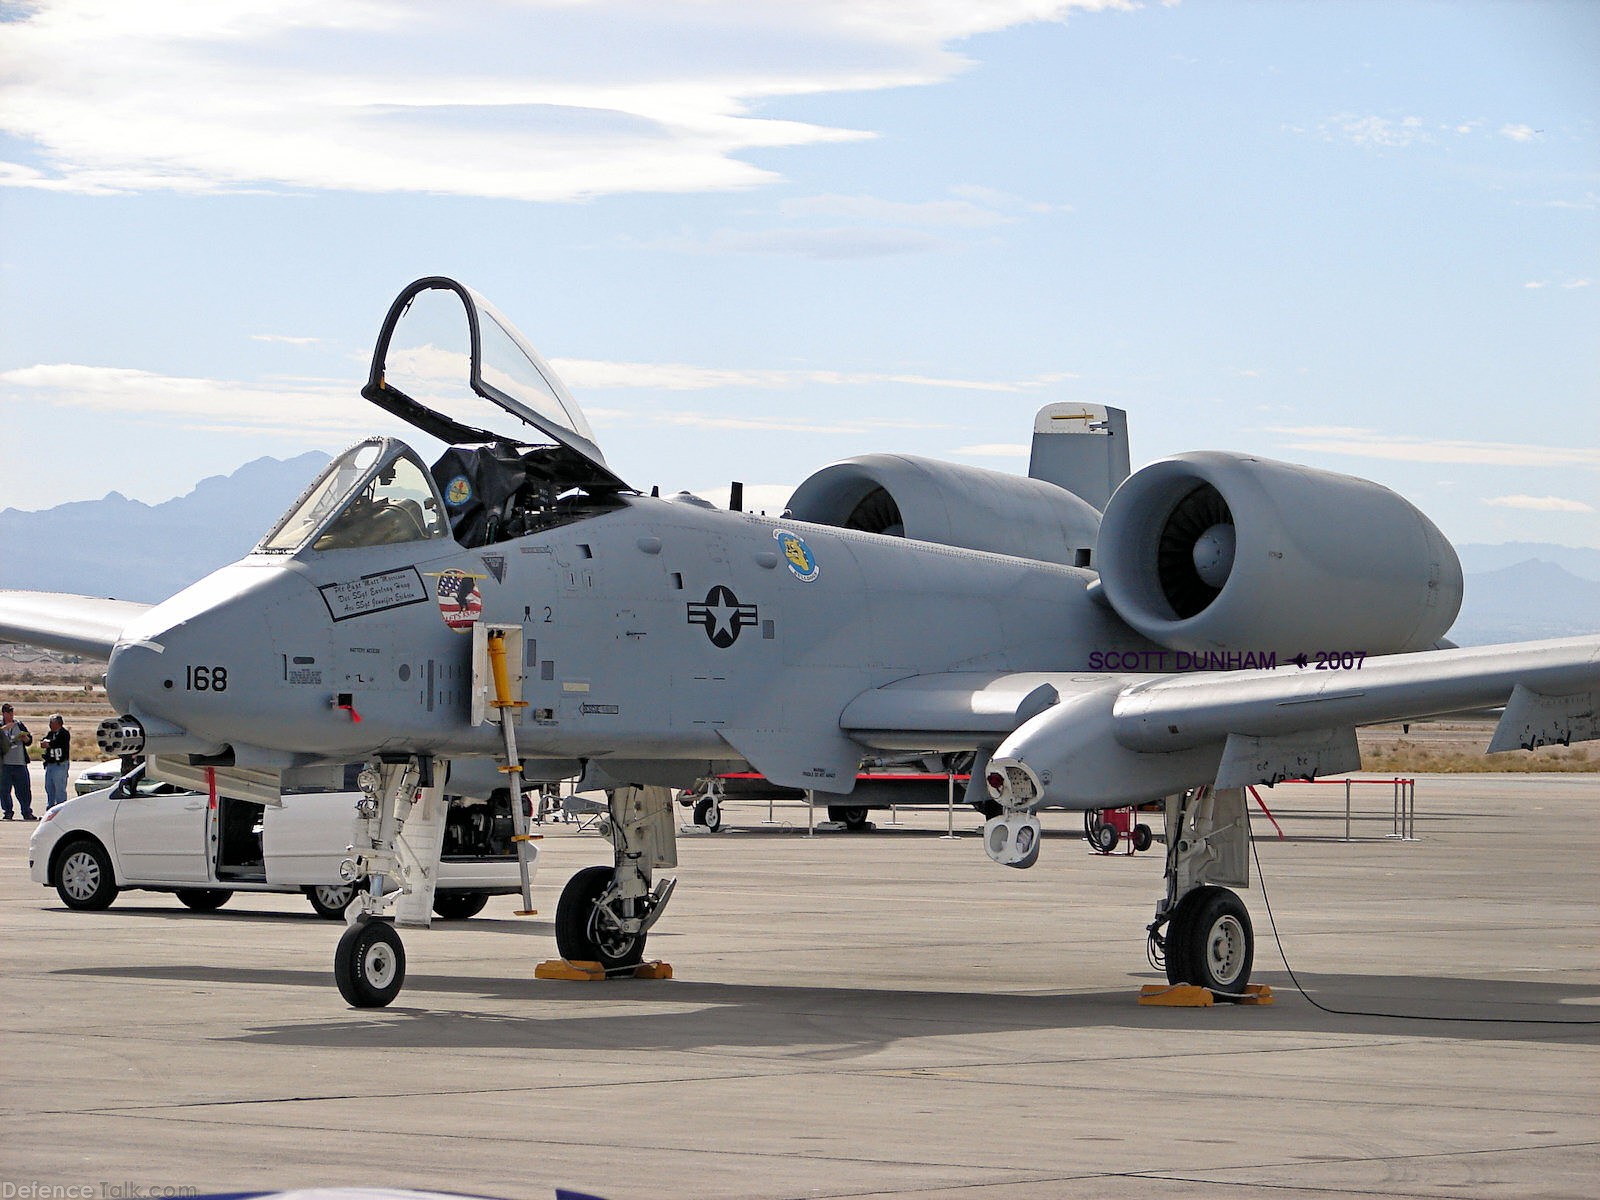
x=196, y=671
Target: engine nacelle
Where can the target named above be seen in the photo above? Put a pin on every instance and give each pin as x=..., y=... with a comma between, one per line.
x=931, y=501
x=1216, y=551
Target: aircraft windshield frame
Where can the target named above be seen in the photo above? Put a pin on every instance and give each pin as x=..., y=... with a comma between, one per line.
x=501, y=368
x=360, y=500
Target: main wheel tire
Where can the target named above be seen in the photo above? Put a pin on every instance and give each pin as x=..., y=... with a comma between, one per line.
x=330, y=899
x=851, y=816
x=458, y=906
x=1142, y=837
x=83, y=876
x=708, y=812
x=581, y=936
x=1106, y=838
x=370, y=964
x=1210, y=941
x=204, y=899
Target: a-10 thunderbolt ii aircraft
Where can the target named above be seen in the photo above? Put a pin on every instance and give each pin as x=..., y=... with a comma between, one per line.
x=1087, y=637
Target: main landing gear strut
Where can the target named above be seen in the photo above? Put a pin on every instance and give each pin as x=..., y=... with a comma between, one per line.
x=1202, y=932
x=605, y=913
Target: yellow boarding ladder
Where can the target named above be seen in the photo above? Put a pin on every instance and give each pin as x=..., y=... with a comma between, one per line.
x=506, y=706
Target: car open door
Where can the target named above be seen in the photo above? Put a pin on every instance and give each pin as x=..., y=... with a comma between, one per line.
x=161, y=832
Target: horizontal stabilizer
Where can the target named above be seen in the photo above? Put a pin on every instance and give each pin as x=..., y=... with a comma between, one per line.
x=87, y=625
x=1532, y=720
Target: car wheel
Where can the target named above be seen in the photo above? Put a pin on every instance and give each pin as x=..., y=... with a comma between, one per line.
x=330, y=899
x=204, y=899
x=83, y=876
x=458, y=906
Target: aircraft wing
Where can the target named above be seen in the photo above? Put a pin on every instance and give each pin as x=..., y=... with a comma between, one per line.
x=1089, y=739
x=86, y=625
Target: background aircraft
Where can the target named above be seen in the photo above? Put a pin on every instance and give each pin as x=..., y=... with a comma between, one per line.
x=1081, y=637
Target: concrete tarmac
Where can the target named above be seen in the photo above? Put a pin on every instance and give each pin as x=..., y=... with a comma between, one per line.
x=854, y=1015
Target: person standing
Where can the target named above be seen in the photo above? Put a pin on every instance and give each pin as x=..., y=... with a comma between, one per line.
x=57, y=746
x=14, y=742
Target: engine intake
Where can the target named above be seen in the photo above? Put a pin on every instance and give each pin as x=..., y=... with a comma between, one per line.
x=1218, y=551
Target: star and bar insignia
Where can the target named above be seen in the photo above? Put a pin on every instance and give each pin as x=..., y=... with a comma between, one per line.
x=722, y=616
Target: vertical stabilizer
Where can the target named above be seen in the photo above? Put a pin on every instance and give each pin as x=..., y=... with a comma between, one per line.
x=1081, y=447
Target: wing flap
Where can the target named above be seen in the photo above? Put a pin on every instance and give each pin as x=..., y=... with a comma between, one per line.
x=87, y=625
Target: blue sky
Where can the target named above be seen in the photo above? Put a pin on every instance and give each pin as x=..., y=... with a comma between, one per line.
x=755, y=238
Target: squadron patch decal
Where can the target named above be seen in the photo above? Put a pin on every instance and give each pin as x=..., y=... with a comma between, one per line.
x=797, y=555
x=458, y=491
x=722, y=616
x=460, y=602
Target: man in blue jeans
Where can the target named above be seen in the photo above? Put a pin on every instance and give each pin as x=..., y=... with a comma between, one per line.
x=14, y=742
x=57, y=747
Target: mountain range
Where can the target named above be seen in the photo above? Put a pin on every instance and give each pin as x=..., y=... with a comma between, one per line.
x=115, y=546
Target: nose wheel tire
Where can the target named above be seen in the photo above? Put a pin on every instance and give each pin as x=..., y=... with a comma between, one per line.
x=83, y=877
x=370, y=964
x=583, y=934
x=1210, y=941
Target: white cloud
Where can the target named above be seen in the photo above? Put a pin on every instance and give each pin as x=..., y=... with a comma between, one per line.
x=479, y=97
x=1370, y=443
x=681, y=377
x=1376, y=131
x=1519, y=133
x=287, y=340
x=959, y=213
x=846, y=242
x=299, y=407
x=995, y=450
x=1541, y=503
x=684, y=419
x=758, y=497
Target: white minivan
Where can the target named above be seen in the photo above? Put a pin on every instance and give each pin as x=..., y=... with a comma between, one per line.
x=143, y=833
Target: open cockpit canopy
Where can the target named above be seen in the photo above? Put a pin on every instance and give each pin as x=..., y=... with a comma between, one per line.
x=522, y=455
x=447, y=362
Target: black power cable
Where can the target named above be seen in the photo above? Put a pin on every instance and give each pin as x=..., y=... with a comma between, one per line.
x=1261, y=879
